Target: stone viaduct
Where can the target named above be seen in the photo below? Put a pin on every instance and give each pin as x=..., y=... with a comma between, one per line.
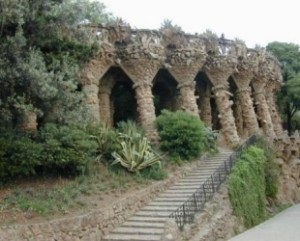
x=229, y=86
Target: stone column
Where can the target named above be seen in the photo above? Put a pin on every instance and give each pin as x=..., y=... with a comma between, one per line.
x=250, y=124
x=238, y=116
x=91, y=74
x=218, y=69
x=91, y=101
x=223, y=103
x=263, y=110
x=105, y=107
x=205, y=107
x=188, y=98
x=185, y=65
x=270, y=97
x=142, y=72
x=146, y=109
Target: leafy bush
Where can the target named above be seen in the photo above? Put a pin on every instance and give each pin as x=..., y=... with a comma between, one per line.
x=19, y=155
x=135, y=151
x=183, y=135
x=106, y=140
x=155, y=172
x=247, y=185
x=68, y=150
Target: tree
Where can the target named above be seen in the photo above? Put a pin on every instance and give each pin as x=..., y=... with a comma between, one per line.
x=289, y=96
x=41, y=49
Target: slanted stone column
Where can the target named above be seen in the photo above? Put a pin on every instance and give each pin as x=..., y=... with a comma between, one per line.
x=91, y=74
x=146, y=109
x=218, y=69
x=263, y=108
x=91, y=101
x=105, y=103
x=205, y=106
x=238, y=116
x=242, y=79
x=188, y=98
x=105, y=107
x=250, y=124
x=223, y=103
x=270, y=90
x=142, y=72
x=185, y=63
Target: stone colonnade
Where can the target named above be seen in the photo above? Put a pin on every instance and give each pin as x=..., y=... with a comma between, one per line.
x=142, y=53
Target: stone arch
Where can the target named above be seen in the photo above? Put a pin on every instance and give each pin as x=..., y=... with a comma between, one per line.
x=165, y=92
x=116, y=97
x=205, y=101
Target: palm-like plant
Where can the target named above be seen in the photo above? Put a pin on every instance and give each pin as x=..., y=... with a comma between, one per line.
x=135, y=153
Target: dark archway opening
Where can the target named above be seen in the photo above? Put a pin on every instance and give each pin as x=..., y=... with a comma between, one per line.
x=123, y=104
x=206, y=102
x=165, y=92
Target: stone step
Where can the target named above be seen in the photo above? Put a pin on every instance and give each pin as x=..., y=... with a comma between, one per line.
x=143, y=224
x=185, y=187
x=160, y=213
x=148, y=219
x=181, y=191
x=169, y=208
x=166, y=204
x=131, y=237
x=137, y=230
x=194, y=183
x=148, y=223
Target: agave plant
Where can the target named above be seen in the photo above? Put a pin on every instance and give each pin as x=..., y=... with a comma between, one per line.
x=135, y=153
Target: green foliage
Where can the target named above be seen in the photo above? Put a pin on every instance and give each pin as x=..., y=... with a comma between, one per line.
x=289, y=96
x=272, y=170
x=154, y=172
x=135, y=151
x=55, y=150
x=183, y=135
x=106, y=139
x=42, y=46
x=19, y=155
x=68, y=150
x=247, y=185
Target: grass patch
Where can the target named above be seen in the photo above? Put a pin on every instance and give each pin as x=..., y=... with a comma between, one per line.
x=65, y=195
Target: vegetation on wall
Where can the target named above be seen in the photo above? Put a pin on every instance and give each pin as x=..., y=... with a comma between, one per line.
x=184, y=135
x=253, y=179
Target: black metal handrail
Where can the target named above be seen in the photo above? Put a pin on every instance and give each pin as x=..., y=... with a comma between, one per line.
x=185, y=213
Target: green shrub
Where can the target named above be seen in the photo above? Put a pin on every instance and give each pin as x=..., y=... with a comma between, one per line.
x=246, y=186
x=68, y=150
x=135, y=151
x=183, y=135
x=154, y=172
x=19, y=155
x=106, y=140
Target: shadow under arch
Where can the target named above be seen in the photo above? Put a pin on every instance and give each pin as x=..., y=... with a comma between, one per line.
x=206, y=102
x=165, y=92
x=116, y=97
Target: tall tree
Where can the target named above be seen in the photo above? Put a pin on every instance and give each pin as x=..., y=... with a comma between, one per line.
x=41, y=49
x=289, y=96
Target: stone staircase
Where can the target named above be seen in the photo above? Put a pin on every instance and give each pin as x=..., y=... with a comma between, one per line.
x=148, y=224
